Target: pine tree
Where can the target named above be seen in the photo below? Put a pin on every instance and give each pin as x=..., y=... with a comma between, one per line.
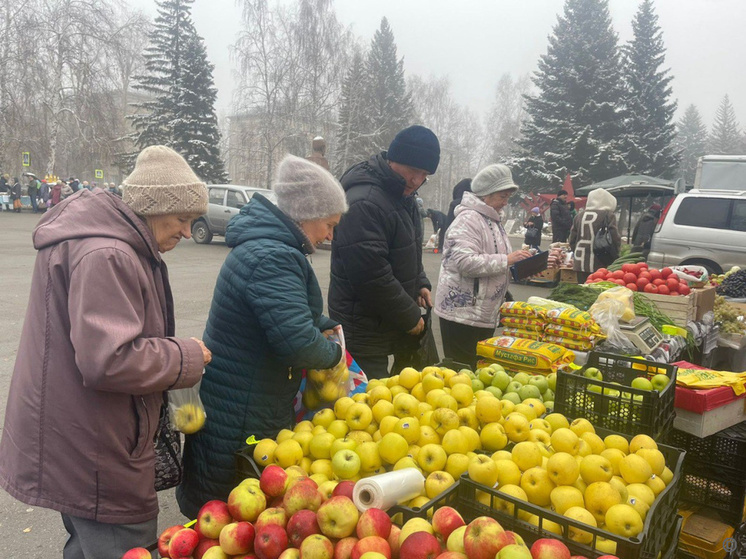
x=725, y=138
x=574, y=122
x=388, y=103
x=650, y=111
x=353, y=145
x=691, y=141
x=179, y=79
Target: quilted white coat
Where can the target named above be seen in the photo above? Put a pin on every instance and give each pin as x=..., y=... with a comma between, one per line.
x=474, y=270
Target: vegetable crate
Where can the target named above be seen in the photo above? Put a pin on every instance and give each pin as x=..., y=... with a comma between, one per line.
x=715, y=471
x=612, y=403
x=680, y=309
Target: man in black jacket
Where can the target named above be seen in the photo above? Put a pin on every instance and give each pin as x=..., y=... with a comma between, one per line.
x=561, y=218
x=378, y=283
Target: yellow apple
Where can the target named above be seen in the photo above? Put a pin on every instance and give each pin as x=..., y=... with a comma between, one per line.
x=405, y=405
x=635, y=469
x=341, y=406
x=614, y=456
x=264, y=452
x=493, y=437
x=581, y=425
x=506, y=506
x=565, y=440
x=642, y=492
x=443, y=420
x=581, y=515
x=565, y=497
x=320, y=445
x=446, y=401
x=392, y=447
x=537, y=485
x=431, y=458
x=304, y=439
x=655, y=458
x=406, y=462
x=526, y=411
x=414, y=451
x=457, y=464
x=618, y=483
x=338, y=428
x=418, y=392
x=463, y=394
x=539, y=436
x=623, y=520
x=540, y=424
x=396, y=389
x=432, y=382
x=381, y=409
x=460, y=378
x=641, y=441
x=360, y=437
x=618, y=442
x=428, y=436
x=562, y=468
x=370, y=460
x=584, y=449
x=508, y=472
x=656, y=484
x=358, y=416
x=454, y=442
x=387, y=424
x=594, y=441
x=409, y=428
x=472, y=437
x=526, y=455
x=304, y=425
x=468, y=417
x=595, y=468
x=456, y=540
x=482, y=469
x=288, y=453
x=516, y=427
x=378, y=394
x=284, y=435
x=557, y=421
x=437, y=482
x=488, y=410
x=322, y=466
x=667, y=475
x=414, y=525
x=409, y=377
x=599, y=496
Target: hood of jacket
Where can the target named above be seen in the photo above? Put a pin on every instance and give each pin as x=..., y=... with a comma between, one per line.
x=261, y=219
x=472, y=202
x=464, y=185
x=392, y=183
x=95, y=214
x=600, y=199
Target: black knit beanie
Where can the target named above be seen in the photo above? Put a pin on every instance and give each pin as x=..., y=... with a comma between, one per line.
x=417, y=147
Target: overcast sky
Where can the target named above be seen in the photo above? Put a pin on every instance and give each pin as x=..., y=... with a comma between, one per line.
x=475, y=41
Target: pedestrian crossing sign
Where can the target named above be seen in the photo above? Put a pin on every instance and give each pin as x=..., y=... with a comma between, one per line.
x=99, y=173
x=26, y=159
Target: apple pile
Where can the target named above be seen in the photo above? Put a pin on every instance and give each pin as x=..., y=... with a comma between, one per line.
x=517, y=388
x=638, y=277
x=656, y=382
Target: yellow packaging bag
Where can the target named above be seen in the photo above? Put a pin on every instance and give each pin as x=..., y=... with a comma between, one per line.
x=531, y=355
x=525, y=334
x=524, y=323
x=708, y=378
x=521, y=309
x=580, y=320
x=577, y=345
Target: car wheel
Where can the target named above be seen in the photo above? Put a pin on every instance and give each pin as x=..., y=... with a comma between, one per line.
x=201, y=233
x=712, y=267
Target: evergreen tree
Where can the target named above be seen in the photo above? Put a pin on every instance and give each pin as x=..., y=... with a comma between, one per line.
x=725, y=138
x=388, y=104
x=575, y=121
x=691, y=141
x=353, y=145
x=178, y=78
x=650, y=111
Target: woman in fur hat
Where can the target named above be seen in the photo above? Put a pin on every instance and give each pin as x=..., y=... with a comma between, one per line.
x=599, y=211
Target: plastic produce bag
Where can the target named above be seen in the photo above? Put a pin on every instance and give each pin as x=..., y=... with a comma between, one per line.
x=625, y=296
x=326, y=386
x=607, y=314
x=187, y=412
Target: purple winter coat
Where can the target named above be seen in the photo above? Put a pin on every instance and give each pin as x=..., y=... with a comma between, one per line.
x=95, y=355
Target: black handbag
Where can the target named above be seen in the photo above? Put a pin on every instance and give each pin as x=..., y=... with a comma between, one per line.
x=604, y=248
x=421, y=351
x=169, y=467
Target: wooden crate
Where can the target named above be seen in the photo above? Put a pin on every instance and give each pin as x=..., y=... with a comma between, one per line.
x=681, y=309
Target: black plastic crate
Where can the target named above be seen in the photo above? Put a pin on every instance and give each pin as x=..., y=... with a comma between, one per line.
x=725, y=449
x=621, y=409
x=451, y=364
x=715, y=490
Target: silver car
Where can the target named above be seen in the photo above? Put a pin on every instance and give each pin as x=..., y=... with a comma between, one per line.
x=226, y=200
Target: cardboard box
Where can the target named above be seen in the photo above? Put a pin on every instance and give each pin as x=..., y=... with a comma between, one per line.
x=704, y=301
x=568, y=275
x=552, y=274
x=704, y=536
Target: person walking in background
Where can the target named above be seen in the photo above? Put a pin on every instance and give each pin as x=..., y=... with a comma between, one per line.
x=74, y=184
x=15, y=195
x=644, y=229
x=598, y=212
x=65, y=189
x=573, y=211
x=265, y=325
x=438, y=220
x=559, y=212
x=318, y=150
x=44, y=193
x=56, y=196
x=33, y=193
x=97, y=353
x=464, y=185
x=378, y=284
x=477, y=255
x=534, y=224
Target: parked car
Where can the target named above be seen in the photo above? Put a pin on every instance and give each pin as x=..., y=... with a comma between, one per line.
x=702, y=227
x=226, y=200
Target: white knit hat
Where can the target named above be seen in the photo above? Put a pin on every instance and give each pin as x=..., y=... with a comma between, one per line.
x=493, y=178
x=162, y=183
x=305, y=191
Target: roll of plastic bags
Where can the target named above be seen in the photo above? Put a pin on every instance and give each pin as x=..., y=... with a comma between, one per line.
x=386, y=490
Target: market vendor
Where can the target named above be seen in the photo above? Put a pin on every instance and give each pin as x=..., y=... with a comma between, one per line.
x=477, y=254
x=265, y=325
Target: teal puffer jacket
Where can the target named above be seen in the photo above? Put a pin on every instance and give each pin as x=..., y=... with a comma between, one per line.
x=264, y=326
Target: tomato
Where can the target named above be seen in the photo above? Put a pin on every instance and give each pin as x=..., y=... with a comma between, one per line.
x=673, y=292
x=650, y=288
x=659, y=282
x=684, y=289
x=601, y=271
x=646, y=275
x=631, y=286
x=641, y=283
x=629, y=267
x=629, y=277
x=665, y=272
x=655, y=274
x=620, y=282
x=672, y=282
x=663, y=289
x=640, y=267
x=617, y=275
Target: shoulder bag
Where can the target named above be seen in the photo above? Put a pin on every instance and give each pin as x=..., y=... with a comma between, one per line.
x=169, y=467
x=603, y=244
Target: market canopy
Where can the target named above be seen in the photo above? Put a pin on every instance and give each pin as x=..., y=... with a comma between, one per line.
x=631, y=186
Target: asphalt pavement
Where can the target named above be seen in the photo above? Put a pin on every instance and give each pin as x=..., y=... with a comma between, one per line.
x=36, y=533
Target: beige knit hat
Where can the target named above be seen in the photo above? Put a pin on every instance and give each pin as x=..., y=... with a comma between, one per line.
x=162, y=183
x=306, y=192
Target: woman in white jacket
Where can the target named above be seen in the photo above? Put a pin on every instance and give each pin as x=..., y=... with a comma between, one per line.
x=474, y=271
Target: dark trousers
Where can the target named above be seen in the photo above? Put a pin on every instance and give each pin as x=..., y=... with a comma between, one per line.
x=460, y=341
x=96, y=540
x=582, y=276
x=377, y=366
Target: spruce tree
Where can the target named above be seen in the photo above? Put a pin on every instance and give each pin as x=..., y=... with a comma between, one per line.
x=388, y=104
x=178, y=78
x=650, y=111
x=725, y=138
x=574, y=123
x=691, y=141
x=353, y=145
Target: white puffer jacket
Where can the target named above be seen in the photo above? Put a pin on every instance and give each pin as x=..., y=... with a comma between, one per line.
x=474, y=270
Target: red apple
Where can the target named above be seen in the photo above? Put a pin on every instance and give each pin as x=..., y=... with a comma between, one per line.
x=508, y=538
x=215, y=552
x=344, y=488
x=338, y=517
x=394, y=541
x=316, y=546
x=246, y=556
x=578, y=557
x=203, y=546
x=246, y=502
x=301, y=525
x=272, y=515
x=165, y=538
x=608, y=557
x=420, y=545
x=211, y=518
x=374, y=522
x=302, y=496
x=273, y=481
x=547, y=548
x=451, y=555
x=183, y=543
x=237, y=537
x=290, y=553
x=137, y=553
x=270, y=542
x=371, y=543
x=343, y=549
x=446, y=520
x=480, y=538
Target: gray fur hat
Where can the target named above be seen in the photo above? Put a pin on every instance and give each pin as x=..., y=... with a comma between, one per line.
x=305, y=191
